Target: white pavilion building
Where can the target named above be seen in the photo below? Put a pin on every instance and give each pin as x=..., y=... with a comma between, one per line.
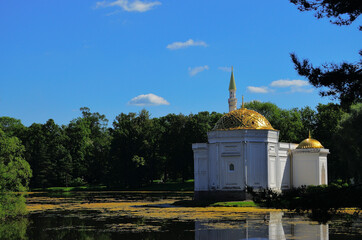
x=243, y=149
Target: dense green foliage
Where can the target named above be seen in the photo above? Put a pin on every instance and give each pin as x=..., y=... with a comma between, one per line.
x=15, y=174
x=323, y=201
x=350, y=142
x=134, y=152
x=14, y=169
x=138, y=149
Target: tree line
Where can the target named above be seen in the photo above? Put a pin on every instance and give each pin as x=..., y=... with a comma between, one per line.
x=138, y=149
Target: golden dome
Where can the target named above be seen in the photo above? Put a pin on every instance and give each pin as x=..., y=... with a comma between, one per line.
x=309, y=143
x=242, y=119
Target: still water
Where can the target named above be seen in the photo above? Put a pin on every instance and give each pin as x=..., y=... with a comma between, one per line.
x=150, y=215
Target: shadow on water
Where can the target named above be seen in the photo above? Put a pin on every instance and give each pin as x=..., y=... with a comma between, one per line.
x=80, y=223
x=66, y=225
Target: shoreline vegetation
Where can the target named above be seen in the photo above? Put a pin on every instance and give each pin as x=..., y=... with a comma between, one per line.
x=245, y=206
x=320, y=202
x=187, y=185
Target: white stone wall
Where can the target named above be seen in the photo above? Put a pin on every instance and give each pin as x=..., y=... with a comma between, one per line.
x=231, y=166
x=214, y=166
x=309, y=167
x=257, y=171
x=273, y=165
x=247, y=150
x=201, y=167
x=235, y=159
x=323, y=179
x=284, y=165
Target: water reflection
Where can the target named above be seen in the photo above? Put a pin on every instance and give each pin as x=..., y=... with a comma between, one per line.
x=97, y=223
x=14, y=229
x=271, y=227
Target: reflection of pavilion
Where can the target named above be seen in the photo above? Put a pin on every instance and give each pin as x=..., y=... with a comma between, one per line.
x=257, y=230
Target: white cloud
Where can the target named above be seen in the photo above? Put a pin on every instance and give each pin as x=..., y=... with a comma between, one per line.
x=148, y=100
x=300, y=89
x=133, y=6
x=188, y=43
x=294, y=85
x=289, y=83
x=196, y=70
x=258, y=89
x=225, y=69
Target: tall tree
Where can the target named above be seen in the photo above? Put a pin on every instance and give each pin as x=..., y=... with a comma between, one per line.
x=12, y=127
x=46, y=152
x=350, y=142
x=342, y=81
x=88, y=143
x=36, y=155
x=15, y=171
x=309, y=120
x=173, y=143
x=130, y=149
x=328, y=118
x=99, y=144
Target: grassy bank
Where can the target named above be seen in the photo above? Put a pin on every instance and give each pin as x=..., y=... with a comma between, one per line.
x=155, y=186
x=204, y=203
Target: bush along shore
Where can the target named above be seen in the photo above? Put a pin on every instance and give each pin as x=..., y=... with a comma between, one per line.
x=320, y=202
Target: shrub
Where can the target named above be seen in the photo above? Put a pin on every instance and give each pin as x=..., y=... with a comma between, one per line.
x=321, y=200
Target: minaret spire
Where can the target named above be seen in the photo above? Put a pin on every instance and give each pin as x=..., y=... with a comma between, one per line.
x=232, y=89
x=232, y=85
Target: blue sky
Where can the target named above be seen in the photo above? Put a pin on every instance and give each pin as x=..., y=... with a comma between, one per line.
x=166, y=56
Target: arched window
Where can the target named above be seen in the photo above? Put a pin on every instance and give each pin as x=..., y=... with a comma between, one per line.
x=231, y=167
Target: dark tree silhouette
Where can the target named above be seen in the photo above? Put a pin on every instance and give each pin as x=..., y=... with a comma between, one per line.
x=343, y=12
x=339, y=81
x=342, y=81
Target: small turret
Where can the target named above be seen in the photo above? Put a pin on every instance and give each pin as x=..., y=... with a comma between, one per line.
x=232, y=90
x=309, y=143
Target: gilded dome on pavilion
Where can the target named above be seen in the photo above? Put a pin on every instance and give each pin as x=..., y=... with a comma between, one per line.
x=243, y=118
x=309, y=143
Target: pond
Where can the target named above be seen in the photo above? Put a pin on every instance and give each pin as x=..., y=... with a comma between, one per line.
x=151, y=215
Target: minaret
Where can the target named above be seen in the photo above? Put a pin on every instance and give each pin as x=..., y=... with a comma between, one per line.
x=232, y=90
